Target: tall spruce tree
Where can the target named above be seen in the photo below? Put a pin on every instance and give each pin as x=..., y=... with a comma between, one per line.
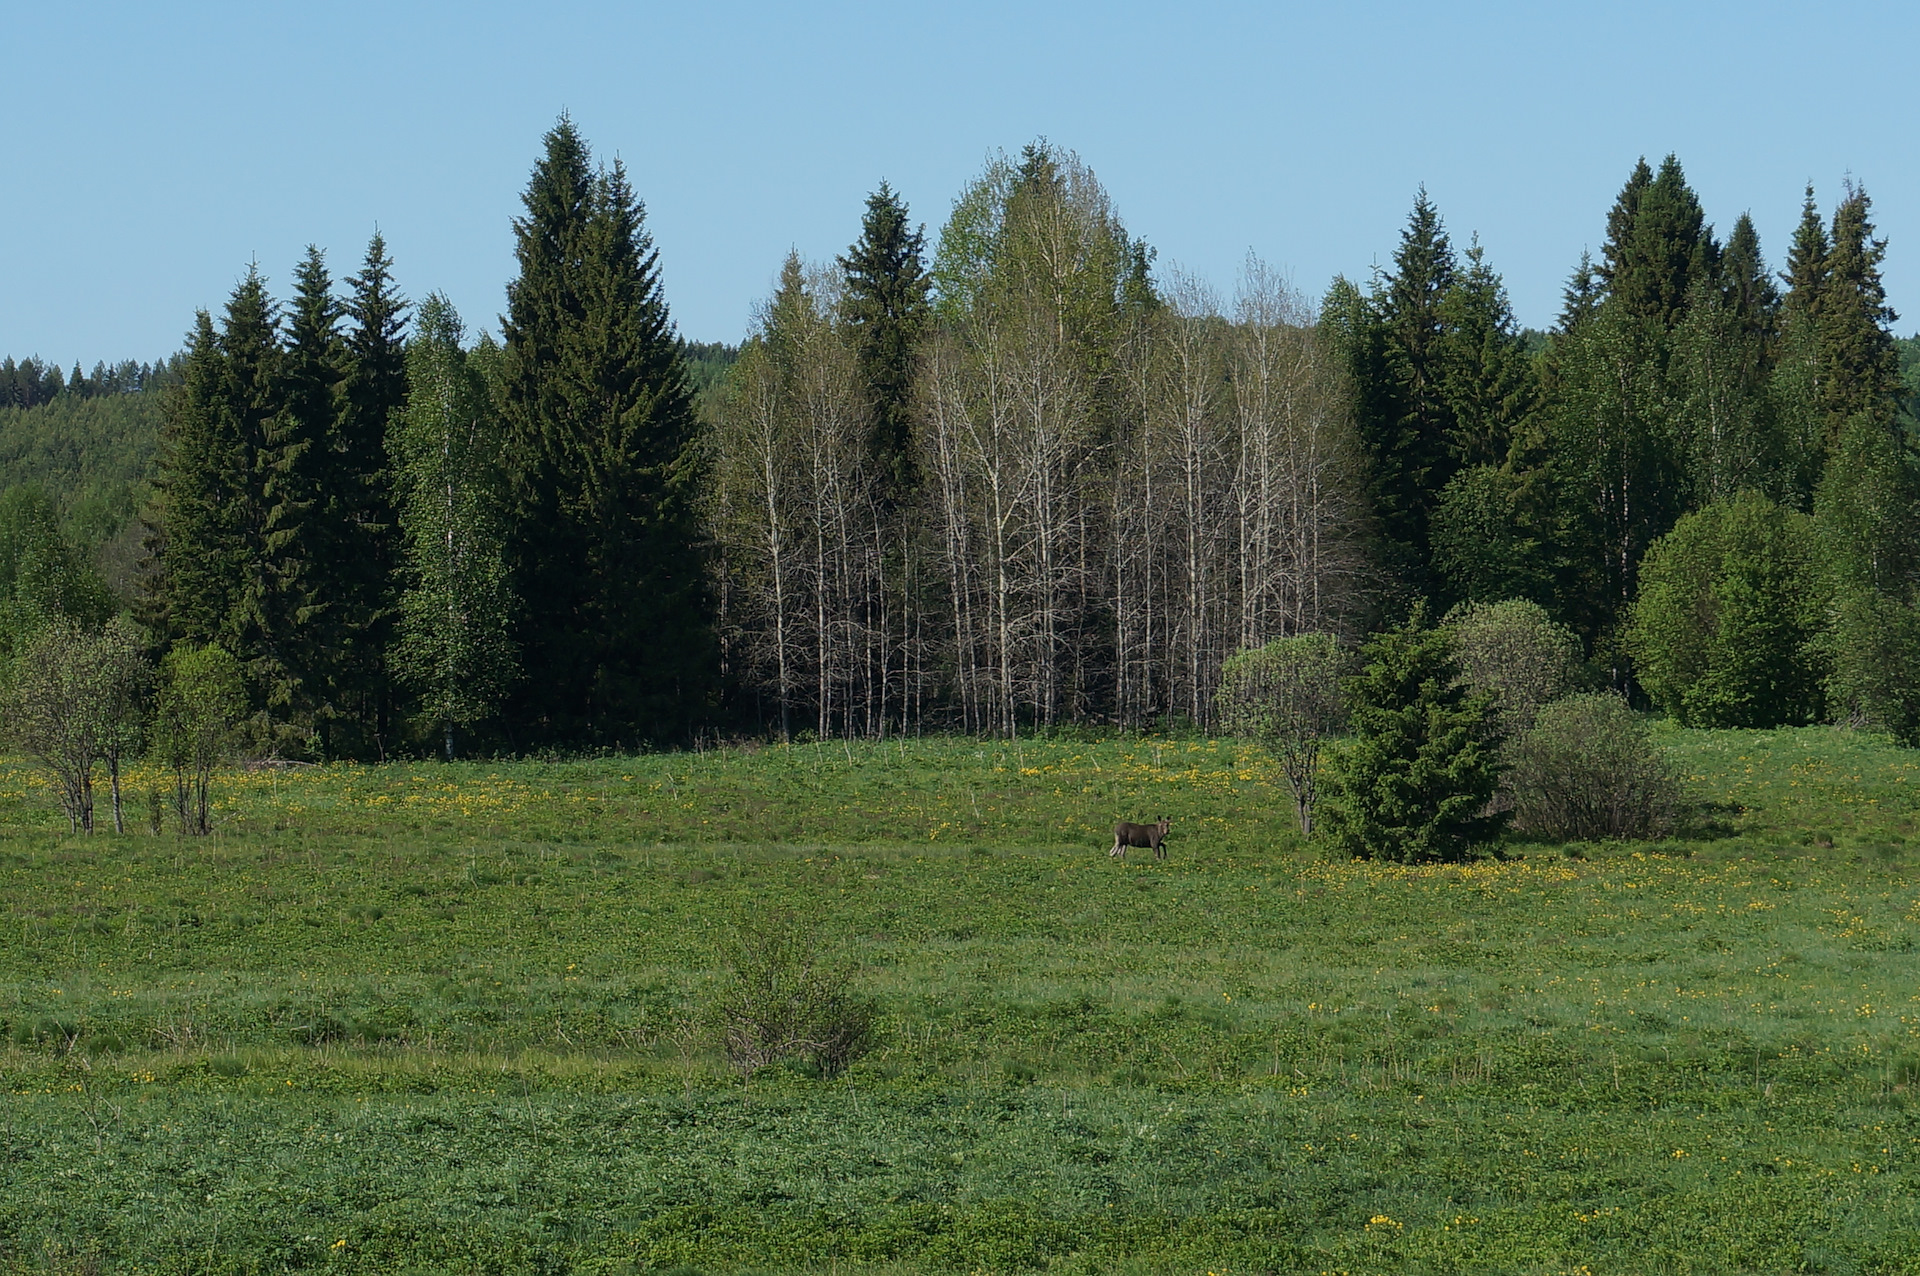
x=193, y=565
x=1621, y=220
x=1658, y=243
x=249, y=399
x=302, y=541
x=1859, y=363
x=213, y=578
x=360, y=582
x=1806, y=272
x=1797, y=374
x=886, y=307
x=1486, y=375
x=1747, y=287
x=1401, y=407
x=1581, y=297
x=616, y=636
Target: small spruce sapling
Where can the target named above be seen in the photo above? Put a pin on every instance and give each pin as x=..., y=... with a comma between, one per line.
x=1414, y=781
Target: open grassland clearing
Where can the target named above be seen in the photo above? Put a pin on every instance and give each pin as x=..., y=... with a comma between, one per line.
x=426, y=1017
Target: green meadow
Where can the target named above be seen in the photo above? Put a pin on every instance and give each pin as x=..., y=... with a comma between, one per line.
x=452, y=1018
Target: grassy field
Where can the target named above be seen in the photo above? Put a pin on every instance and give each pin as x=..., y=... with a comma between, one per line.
x=434, y=1018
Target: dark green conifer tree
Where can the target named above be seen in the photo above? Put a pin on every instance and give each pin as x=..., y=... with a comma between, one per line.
x=1414, y=779
x=1351, y=326
x=213, y=579
x=1485, y=544
x=1806, y=272
x=299, y=482
x=1860, y=367
x=886, y=308
x=1658, y=243
x=1621, y=219
x=1798, y=378
x=191, y=575
x=616, y=636
x=1394, y=350
x=1748, y=288
x=361, y=581
x=249, y=400
x=1580, y=298
x=1486, y=376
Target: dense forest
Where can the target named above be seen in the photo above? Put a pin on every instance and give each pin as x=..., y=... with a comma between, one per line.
x=1012, y=478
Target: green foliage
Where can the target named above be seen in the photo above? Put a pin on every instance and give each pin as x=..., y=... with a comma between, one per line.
x=53, y=714
x=1727, y=612
x=122, y=683
x=1867, y=510
x=1484, y=546
x=93, y=456
x=1515, y=654
x=1721, y=395
x=75, y=699
x=887, y=309
x=1486, y=375
x=1438, y=381
x=1413, y=782
x=1658, y=245
x=455, y=647
x=600, y=464
x=43, y=578
x=788, y=999
x=1872, y=650
x=1287, y=696
x=201, y=702
x=1859, y=366
x=215, y=578
x=362, y=577
x=1616, y=457
x=304, y=471
x=1588, y=769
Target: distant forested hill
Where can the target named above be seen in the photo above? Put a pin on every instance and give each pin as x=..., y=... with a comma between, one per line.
x=707, y=363
x=91, y=447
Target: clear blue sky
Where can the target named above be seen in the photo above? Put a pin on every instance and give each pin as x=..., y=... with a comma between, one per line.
x=154, y=150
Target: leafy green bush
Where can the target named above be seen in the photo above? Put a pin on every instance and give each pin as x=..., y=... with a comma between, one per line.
x=1286, y=695
x=1516, y=653
x=788, y=1001
x=1415, y=780
x=1588, y=770
x=1723, y=629
x=202, y=697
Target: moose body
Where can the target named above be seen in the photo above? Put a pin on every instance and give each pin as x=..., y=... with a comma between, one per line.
x=1142, y=835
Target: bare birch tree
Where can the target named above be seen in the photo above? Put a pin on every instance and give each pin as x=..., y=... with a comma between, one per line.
x=1116, y=489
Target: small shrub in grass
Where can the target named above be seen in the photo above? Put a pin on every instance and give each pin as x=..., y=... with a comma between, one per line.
x=1588, y=770
x=1286, y=695
x=788, y=1001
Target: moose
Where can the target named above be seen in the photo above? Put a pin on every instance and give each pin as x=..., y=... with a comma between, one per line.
x=1153, y=835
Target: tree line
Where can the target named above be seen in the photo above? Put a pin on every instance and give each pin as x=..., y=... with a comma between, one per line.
x=32, y=381
x=1018, y=477
x=1023, y=483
